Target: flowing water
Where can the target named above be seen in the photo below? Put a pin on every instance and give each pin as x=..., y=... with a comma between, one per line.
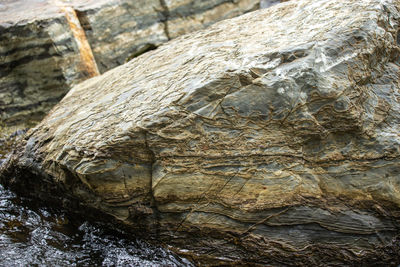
x=31, y=235
x=35, y=235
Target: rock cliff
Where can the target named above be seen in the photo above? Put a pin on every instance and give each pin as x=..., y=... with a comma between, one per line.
x=258, y=140
x=47, y=46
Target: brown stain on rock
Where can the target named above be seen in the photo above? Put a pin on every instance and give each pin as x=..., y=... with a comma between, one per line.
x=88, y=62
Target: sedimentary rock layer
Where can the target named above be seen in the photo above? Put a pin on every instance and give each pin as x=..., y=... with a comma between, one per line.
x=40, y=60
x=260, y=139
x=120, y=31
x=48, y=46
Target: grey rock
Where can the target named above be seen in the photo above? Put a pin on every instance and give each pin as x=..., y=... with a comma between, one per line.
x=42, y=57
x=258, y=140
x=48, y=46
x=268, y=3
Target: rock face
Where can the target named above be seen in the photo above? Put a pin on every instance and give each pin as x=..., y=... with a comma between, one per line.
x=48, y=46
x=259, y=139
x=40, y=60
x=119, y=30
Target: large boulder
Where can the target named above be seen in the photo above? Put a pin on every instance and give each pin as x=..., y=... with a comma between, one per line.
x=48, y=46
x=270, y=138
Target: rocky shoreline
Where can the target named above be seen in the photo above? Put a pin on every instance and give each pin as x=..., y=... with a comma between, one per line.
x=259, y=140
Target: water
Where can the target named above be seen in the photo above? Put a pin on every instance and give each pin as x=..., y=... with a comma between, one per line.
x=33, y=235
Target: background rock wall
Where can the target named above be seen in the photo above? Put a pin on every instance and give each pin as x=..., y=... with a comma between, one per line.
x=48, y=46
x=40, y=60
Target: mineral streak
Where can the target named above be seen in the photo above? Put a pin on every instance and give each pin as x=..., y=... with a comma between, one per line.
x=258, y=140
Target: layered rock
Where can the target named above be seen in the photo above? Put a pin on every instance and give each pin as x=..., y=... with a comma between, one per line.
x=258, y=140
x=48, y=46
x=121, y=30
x=185, y=16
x=41, y=59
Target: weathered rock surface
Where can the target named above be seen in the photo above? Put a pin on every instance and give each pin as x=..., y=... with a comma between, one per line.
x=260, y=139
x=40, y=60
x=47, y=46
x=119, y=30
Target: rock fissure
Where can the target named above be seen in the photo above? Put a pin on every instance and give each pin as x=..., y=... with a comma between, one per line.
x=165, y=18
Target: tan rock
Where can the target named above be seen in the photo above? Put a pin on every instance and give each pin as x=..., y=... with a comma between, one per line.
x=258, y=140
x=48, y=46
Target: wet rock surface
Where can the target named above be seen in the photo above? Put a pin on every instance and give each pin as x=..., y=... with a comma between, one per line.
x=33, y=235
x=47, y=46
x=257, y=140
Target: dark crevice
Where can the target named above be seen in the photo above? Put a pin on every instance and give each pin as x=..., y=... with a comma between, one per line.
x=141, y=50
x=83, y=20
x=154, y=224
x=166, y=15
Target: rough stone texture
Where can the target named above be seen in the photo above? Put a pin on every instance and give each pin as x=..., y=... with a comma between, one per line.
x=47, y=46
x=185, y=16
x=40, y=60
x=256, y=140
x=119, y=30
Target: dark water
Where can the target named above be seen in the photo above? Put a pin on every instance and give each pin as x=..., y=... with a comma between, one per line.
x=33, y=235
